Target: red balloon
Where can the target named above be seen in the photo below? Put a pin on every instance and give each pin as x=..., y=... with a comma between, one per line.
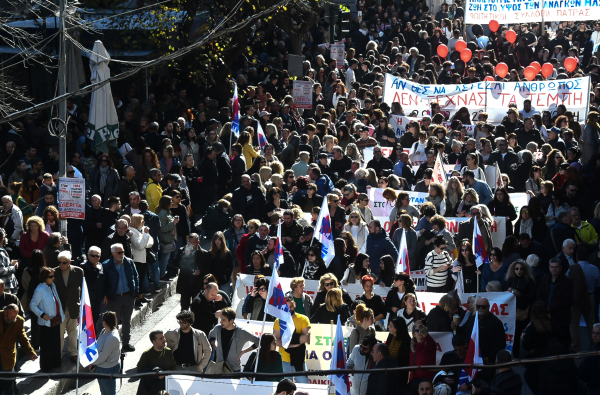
x=547, y=69
x=465, y=55
x=494, y=25
x=536, y=66
x=489, y=78
x=570, y=64
x=460, y=45
x=511, y=36
x=501, y=69
x=442, y=50
x=530, y=73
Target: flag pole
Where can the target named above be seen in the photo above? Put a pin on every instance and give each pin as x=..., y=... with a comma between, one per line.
x=81, y=307
x=332, y=349
x=317, y=227
x=262, y=330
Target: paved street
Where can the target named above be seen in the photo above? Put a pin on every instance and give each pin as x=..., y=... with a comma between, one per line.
x=163, y=318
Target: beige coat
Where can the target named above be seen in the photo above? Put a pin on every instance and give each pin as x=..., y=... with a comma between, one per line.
x=202, y=348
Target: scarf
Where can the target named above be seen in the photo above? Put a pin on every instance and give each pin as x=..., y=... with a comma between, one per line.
x=436, y=200
x=103, y=176
x=526, y=226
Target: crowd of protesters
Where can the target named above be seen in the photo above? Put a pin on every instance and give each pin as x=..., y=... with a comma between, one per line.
x=181, y=175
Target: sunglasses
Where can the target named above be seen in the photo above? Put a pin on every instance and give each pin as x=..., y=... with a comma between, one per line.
x=262, y=289
x=464, y=250
x=328, y=284
x=311, y=254
x=63, y=263
x=442, y=248
x=417, y=330
x=119, y=252
x=50, y=277
x=482, y=307
x=94, y=256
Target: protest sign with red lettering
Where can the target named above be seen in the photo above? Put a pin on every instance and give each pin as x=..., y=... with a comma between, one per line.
x=71, y=197
x=516, y=11
x=302, y=93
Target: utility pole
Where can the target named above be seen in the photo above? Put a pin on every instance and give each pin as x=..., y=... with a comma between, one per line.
x=62, y=106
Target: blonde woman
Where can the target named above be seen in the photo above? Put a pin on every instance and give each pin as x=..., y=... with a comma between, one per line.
x=141, y=242
x=265, y=175
x=359, y=230
x=327, y=282
x=332, y=308
x=365, y=319
x=276, y=167
x=454, y=193
x=422, y=352
x=372, y=178
x=257, y=179
x=221, y=262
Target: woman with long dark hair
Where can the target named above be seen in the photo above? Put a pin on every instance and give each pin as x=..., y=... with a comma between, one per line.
x=466, y=276
x=356, y=271
x=402, y=285
x=269, y=360
x=495, y=270
x=398, y=342
x=386, y=272
x=221, y=261
x=105, y=179
x=521, y=283
x=149, y=162
x=190, y=146
x=501, y=206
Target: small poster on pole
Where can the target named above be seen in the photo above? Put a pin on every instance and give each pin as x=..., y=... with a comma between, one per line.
x=303, y=94
x=337, y=53
x=71, y=198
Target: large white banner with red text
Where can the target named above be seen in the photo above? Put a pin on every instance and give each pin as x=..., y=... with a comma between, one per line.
x=491, y=97
x=516, y=11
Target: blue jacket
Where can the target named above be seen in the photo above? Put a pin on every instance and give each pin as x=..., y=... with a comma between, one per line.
x=163, y=165
x=377, y=246
x=324, y=185
x=153, y=222
x=484, y=191
x=112, y=277
x=42, y=302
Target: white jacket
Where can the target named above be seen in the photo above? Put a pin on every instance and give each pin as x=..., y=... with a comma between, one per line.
x=140, y=241
x=42, y=302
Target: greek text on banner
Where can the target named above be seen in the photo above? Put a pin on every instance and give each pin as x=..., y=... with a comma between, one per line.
x=484, y=11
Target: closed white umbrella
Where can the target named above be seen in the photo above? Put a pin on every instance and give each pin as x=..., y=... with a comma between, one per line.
x=103, y=123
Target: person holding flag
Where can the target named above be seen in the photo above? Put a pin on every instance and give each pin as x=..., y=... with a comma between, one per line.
x=466, y=229
x=487, y=339
x=262, y=139
x=324, y=234
x=294, y=356
x=338, y=361
x=235, y=114
x=109, y=353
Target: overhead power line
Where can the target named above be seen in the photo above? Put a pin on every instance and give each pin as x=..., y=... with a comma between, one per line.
x=174, y=55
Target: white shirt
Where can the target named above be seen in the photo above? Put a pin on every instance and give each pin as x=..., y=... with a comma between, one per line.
x=350, y=78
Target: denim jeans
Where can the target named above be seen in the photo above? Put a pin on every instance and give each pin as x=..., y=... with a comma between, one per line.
x=165, y=259
x=108, y=386
x=154, y=273
x=180, y=242
x=288, y=368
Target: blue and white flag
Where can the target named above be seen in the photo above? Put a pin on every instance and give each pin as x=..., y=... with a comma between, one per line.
x=262, y=140
x=479, y=250
x=235, y=116
x=278, y=308
x=278, y=249
x=87, y=347
x=338, y=361
x=324, y=233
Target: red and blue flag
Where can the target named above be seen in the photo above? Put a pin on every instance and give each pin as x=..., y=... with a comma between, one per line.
x=87, y=348
x=479, y=250
x=278, y=308
x=338, y=361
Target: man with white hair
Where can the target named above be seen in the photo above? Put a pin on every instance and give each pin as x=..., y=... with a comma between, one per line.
x=69, y=281
x=95, y=280
x=567, y=255
x=11, y=219
x=122, y=288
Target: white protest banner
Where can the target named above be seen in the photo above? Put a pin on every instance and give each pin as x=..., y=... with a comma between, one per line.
x=416, y=98
x=367, y=155
x=245, y=284
x=71, y=197
x=382, y=208
x=518, y=200
x=399, y=123
x=502, y=304
x=420, y=279
x=183, y=385
x=337, y=53
x=302, y=93
x=491, y=97
x=498, y=228
x=516, y=11
x=417, y=160
x=318, y=352
x=544, y=96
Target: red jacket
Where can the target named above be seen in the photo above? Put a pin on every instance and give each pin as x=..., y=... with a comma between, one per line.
x=26, y=246
x=240, y=252
x=424, y=354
